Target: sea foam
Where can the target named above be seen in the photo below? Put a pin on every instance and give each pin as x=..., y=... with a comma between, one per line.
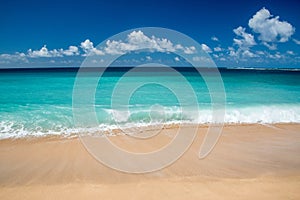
x=142, y=118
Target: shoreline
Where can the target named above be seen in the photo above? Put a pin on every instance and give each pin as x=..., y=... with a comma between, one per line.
x=251, y=161
x=118, y=131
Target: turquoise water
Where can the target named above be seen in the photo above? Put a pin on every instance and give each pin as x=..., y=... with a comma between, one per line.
x=39, y=102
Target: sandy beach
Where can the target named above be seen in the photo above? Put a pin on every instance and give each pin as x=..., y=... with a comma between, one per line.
x=249, y=162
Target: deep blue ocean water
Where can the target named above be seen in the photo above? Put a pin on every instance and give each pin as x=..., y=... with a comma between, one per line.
x=39, y=102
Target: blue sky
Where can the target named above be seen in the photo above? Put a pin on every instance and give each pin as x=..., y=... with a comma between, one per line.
x=234, y=33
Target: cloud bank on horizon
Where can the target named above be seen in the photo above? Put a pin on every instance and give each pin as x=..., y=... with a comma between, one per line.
x=257, y=44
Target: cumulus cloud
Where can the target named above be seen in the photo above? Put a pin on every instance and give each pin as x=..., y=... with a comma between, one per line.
x=117, y=47
x=233, y=53
x=244, y=40
x=44, y=52
x=270, y=28
x=271, y=46
x=72, y=51
x=137, y=40
x=89, y=49
x=206, y=48
x=214, y=38
x=249, y=54
x=260, y=53
x=189, y=50
x=201, y=59
x=217, y=49
x=17, y=57
x=186, y=50
x=270, y=31
x=275, y=56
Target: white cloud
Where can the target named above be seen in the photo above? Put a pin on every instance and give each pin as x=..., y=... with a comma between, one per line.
x=135, y=40
x=138, y=40
x=214, y=38
x=271, y=46
x=249, y=54
x=246, y=39
x=201, y=59
x=260, y=53
x=94, y=61
x=296, y=41
x=17, y=57
x=217, y=49
x=275, y=56
x=44, y=52
x=72, y=51
x=206, y=48
x=87, y=44
x=118, y=47
x=176, y=59
x=290, y=52
x=89, y=49
x=242, y=53
x=232, y=53
x=230, y=48
x=269, y=28
x=189, y=50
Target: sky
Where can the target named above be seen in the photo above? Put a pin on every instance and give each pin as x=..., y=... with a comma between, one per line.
x=234, y=33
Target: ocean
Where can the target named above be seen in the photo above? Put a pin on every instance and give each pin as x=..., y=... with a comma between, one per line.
x=38, y=102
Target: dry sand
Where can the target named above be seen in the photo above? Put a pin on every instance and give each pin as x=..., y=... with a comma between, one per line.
x=249, y=161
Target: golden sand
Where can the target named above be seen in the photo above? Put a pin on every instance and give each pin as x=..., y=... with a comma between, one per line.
x=249, y=162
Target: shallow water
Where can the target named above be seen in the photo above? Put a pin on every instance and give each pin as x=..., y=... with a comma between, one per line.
x=39, y=102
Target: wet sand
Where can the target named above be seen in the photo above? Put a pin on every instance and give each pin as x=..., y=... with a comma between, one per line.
x=249, y=161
